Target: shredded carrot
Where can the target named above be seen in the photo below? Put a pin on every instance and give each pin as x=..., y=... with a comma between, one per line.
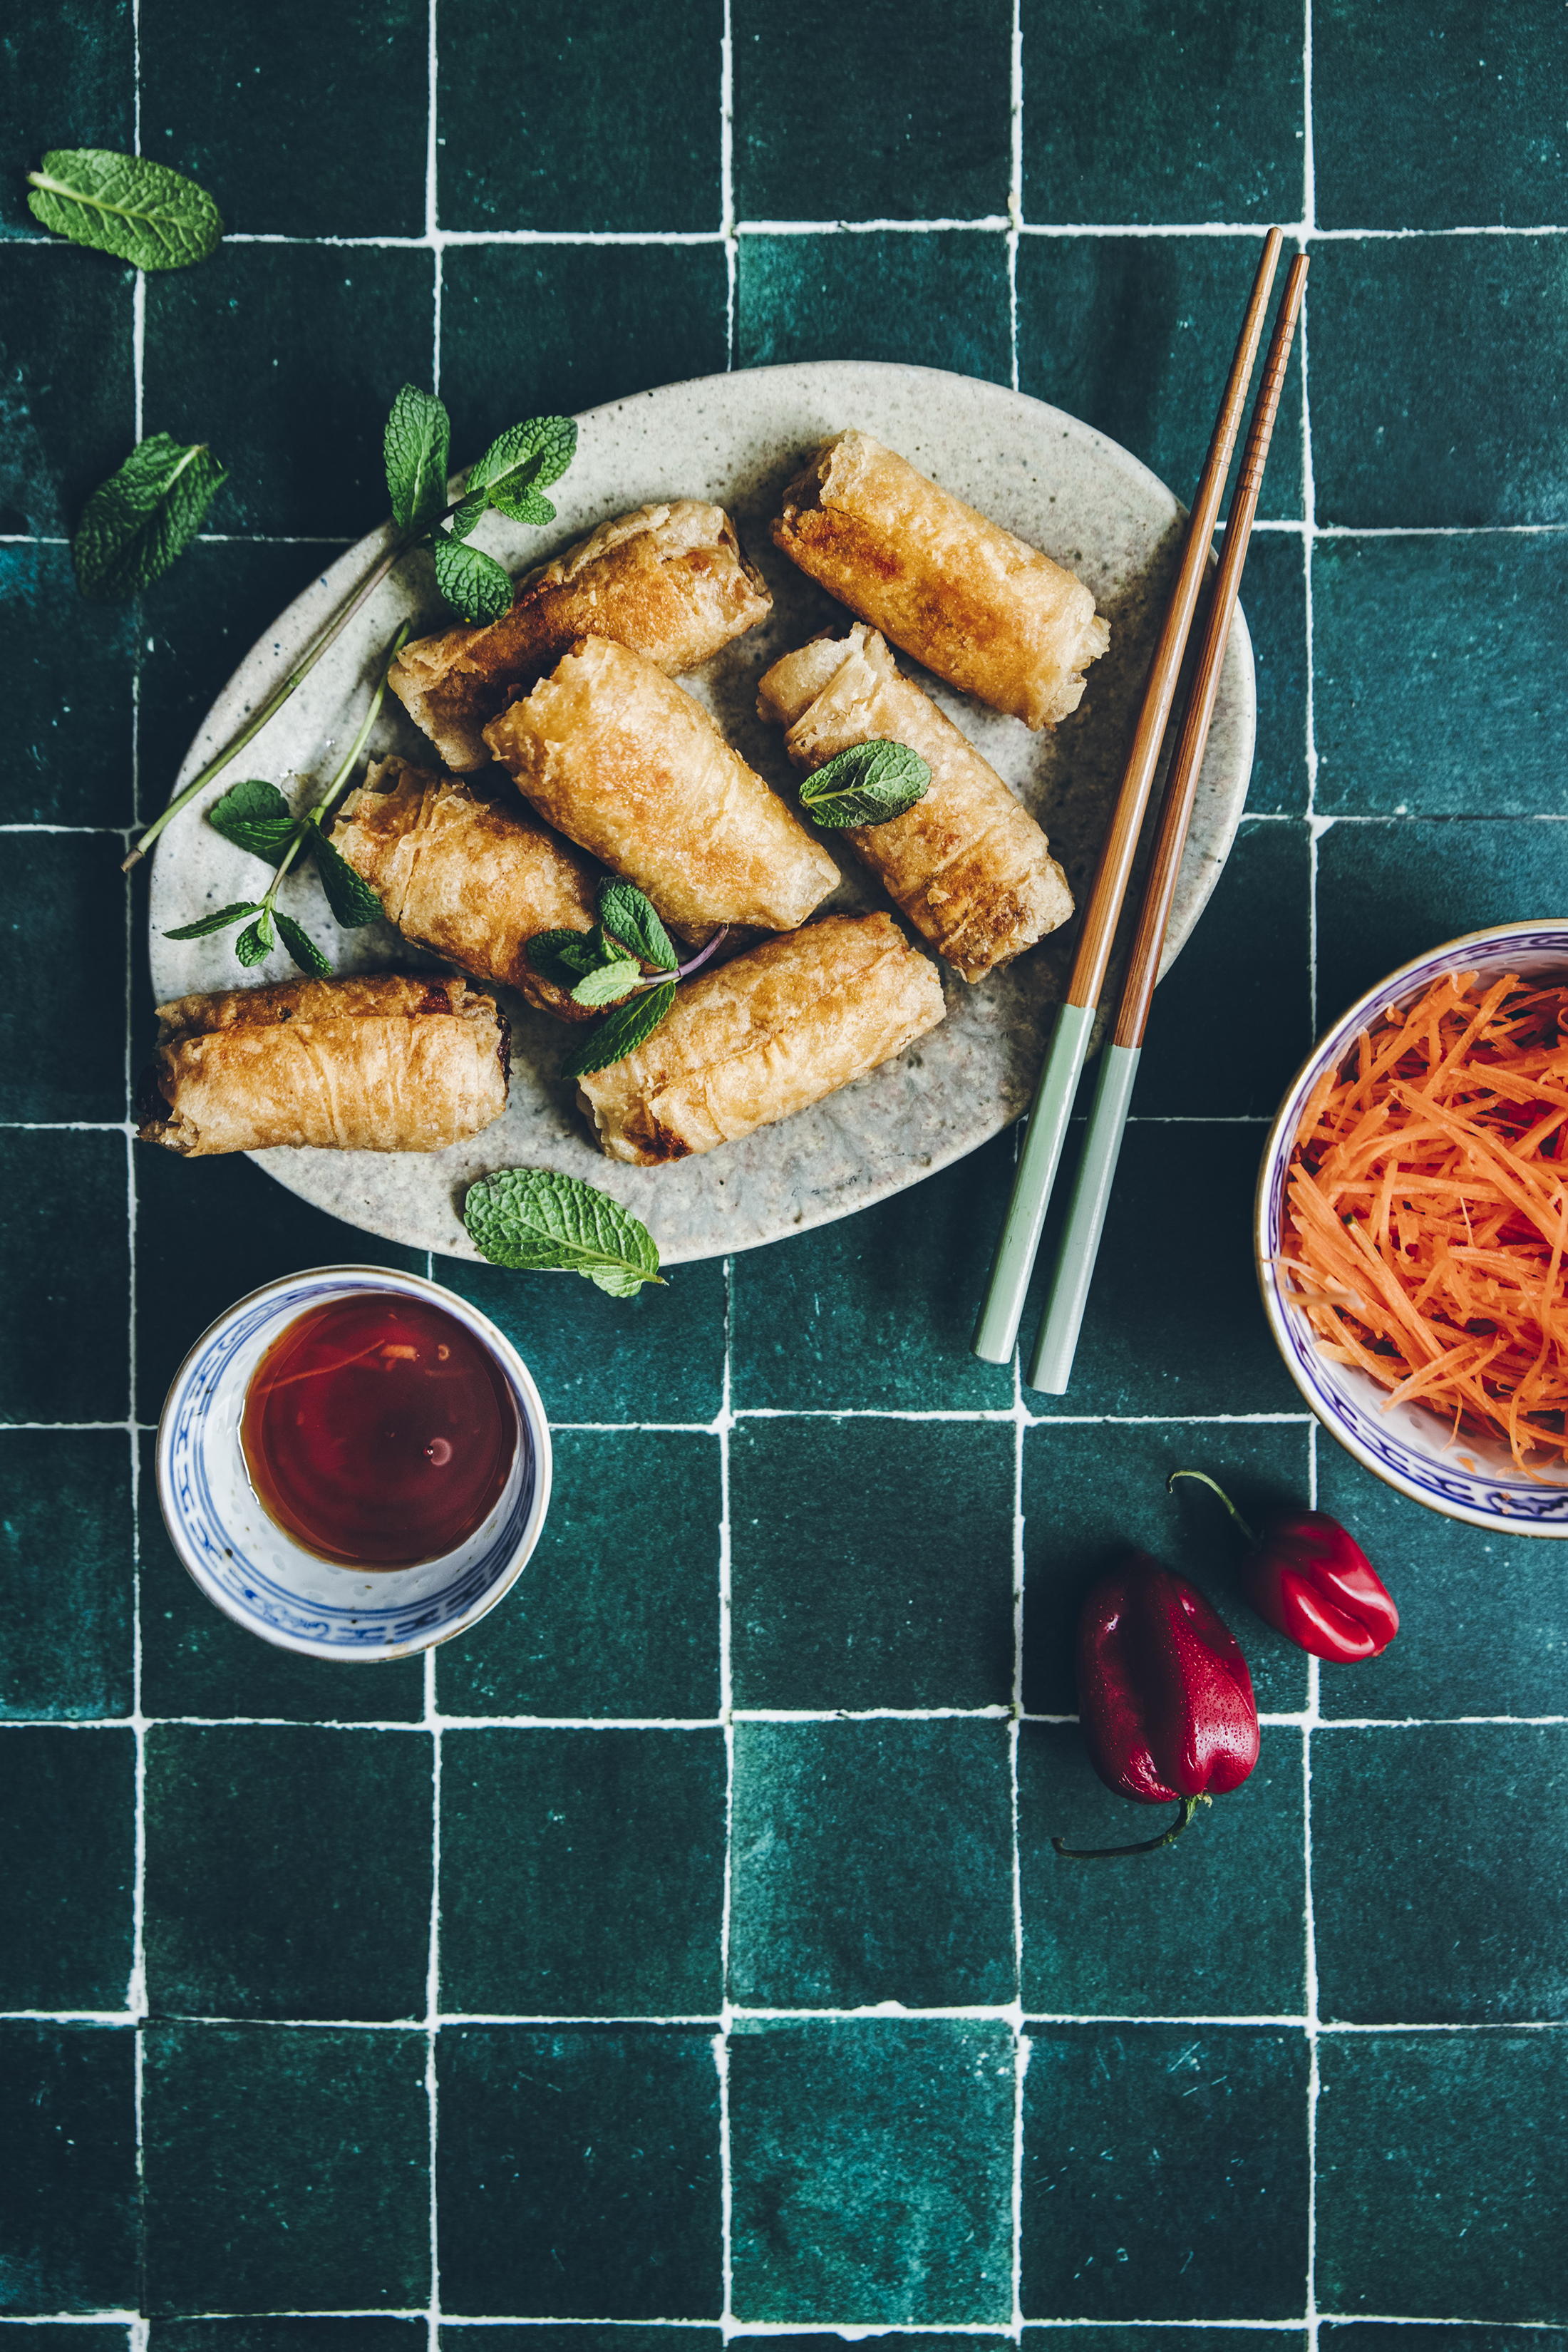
x=1427, y=1234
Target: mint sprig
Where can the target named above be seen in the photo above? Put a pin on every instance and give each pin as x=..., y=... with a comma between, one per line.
x=629, y=1026
x=537, y=1222
x=474, y=581
x=596, y=969
x=632, y=920
x=869, y=784
x=415, y=446
x=135, y=524
x=143, y=213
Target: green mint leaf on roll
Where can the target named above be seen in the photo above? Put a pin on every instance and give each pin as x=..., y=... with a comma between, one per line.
x=563, y=957
x=302, y=948
x=220, y=921
x=621, y=1033
x=632, y=921
x=867, y=784
x=537, y=1223
x=417, y=444
x=254, y=816
x=349, y=895
x=135, y=524
x=475, y=582
x=140, y=212
x=608, y=984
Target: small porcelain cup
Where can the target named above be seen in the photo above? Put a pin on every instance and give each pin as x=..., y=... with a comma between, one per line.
x=254, y=1572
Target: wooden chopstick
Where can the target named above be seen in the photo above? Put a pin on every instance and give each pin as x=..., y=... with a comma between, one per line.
x=997, y=1328
x=1051, y=1367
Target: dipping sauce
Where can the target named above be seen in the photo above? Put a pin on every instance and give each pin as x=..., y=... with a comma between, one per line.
x=378, y=1430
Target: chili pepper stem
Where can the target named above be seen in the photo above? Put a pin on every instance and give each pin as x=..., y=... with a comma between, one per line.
x=1224, y=1498
x=1148, y=1845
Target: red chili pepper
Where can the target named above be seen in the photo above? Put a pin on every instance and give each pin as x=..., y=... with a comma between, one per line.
x=1165, y=1698
x=1310, y=1579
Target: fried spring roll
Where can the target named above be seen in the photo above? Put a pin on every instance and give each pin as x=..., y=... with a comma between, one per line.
x=983, y=610
x=669, y=580
x=469, y=875
x=765, y=1037
x=967, y=865
x=382, y=1063
x=625, y=763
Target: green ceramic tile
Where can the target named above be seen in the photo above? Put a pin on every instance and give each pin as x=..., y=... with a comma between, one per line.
x=284, y=2169
x=286, y=359
x=1215, y=1925
x=1090, y=1494
x=1482, y=1631
x=62, y=906
x=1434, y=1894
x=928, y=2340
x=1135, y=335
x=623, y=2336
x=65, y=357
x=1275, y=603
x=618, y=1613
x=1437, y=395
x=1166, y=2172
x=67, y=2231
x=64, y=1298
x=209, y=1230
x=872, y=1563
x=70, y=688
x=1144, y=2336
x=871, y=1862
x=582, y=1873
x=1370, y=2335
x=195, y=1661
x=614, y=125
x=71, y=2336
x=905, y=122
x=1437, y=117
x=36, y=113
x=878, y=1309
x=226, y=101
x=1191, y=113
x=1438, y=671
x=274, y=2334
x=936, y=301
x=1387, y=892
x=1246, y=963
x=288, y=1870
x=659, y=1357
x=66, y=1580
x=68, y=1801
x=873, y=2168
x=579, y=2172
x=1442, y=2175
x=603, y=321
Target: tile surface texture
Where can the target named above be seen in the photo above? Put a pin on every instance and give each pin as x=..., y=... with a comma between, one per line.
x=683, y=1953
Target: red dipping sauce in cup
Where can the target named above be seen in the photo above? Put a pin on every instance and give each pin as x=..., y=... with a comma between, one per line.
x=378, y=1430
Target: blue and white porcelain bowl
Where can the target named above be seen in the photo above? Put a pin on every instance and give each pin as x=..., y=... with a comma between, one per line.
x=1407, y=1447
x=254, y=1572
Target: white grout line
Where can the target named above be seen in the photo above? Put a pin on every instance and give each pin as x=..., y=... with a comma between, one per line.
x=727, y=178
x=1015, y=182
x=845, y=2331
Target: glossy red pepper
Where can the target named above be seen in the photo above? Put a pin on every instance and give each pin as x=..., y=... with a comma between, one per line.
x=1165, y=1698
x=1309, y=1578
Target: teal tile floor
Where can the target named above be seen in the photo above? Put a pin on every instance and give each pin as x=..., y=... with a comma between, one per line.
x=682, y=1956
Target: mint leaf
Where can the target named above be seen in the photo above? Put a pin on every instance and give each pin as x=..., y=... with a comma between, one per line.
x=349, y=895
x=218, y=922
x=141, y=213
x=537, y=1222
x=608, y=984
x=254, y=816
x=136, y=524
x=514, y=469
x=633, y=920
x=418, y=439
x=867, y=784
x=622, y=1032
x=473, y=581
x=255, y=942
x=303, y=948
x=563, y=957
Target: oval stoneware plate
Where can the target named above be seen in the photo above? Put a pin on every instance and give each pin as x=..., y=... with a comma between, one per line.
x=737, y=440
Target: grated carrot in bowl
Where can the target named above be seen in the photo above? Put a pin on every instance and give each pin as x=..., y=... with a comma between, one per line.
x=1427, y=1228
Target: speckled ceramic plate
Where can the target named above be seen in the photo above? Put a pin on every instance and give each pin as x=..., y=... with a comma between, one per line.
x=738, y=439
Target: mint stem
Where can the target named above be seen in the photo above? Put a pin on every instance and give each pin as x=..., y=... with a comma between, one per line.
x=318, y=816
x=683, y=971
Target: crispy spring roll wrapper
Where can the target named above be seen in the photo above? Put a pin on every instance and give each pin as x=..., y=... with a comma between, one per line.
x=983, y=610
x=669, y=580
x=967, y=865
x=625, y=763
x=469, y=873
x=381, y=1063
x=767, y=1035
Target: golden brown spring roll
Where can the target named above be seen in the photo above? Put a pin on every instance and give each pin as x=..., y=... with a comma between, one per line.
x=765, y=1037
x=983, y=610
x=381, y=1063
x=967, y=865
x=669, y=580
x=625, y=763
x=471, y=875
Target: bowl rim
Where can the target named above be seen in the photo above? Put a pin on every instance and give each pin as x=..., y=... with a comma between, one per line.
x=1450, y=955
x=377, y=1277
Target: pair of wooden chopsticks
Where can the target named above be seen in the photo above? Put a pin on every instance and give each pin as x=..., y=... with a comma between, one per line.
x=997, y=1328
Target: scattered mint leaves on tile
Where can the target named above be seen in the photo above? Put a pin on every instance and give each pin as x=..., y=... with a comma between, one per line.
x=135, y=524
x=537, y=1222
x=353, y=901
x=621, y=1033
x=474, y=581
x=608, y=983
x=417, y=445
x=303, y=948
x=632, y=920
x=143, y=213
x=219, y=921
x=867, y=784
x=254, y=817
